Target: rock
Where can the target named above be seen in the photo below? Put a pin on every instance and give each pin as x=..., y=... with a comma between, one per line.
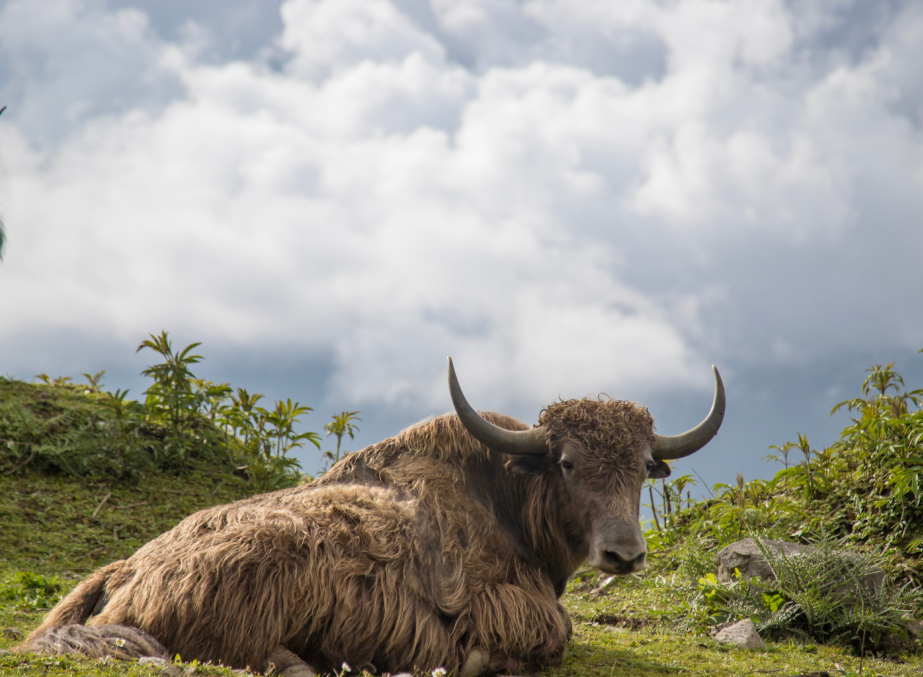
x=748, y=559
x=743, y=633
x=164, y=666
x=11, y=633
x=913, y=626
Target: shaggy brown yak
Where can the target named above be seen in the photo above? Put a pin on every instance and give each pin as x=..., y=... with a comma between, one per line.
x=447, y=545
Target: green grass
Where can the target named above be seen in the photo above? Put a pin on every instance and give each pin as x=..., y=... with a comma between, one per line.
x=55, y=529
x=49, y=529
x=632, y=631
x=55, y=525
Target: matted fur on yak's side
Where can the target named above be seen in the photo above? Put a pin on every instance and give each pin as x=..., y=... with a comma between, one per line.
x=408, y=554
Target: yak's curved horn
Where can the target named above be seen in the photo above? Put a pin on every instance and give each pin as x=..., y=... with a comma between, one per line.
x=677, y=446
x=514, y=442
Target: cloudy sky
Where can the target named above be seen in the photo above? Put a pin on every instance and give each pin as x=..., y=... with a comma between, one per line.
x=568, y=197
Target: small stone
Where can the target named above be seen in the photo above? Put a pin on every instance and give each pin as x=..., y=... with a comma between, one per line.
x=11, y=633
x=743, y=634
x=162, y=664
x=913, y=626
x=3, y=652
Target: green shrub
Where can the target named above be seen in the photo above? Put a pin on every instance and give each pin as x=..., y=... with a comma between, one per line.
x=821, y=595
x=79, y=430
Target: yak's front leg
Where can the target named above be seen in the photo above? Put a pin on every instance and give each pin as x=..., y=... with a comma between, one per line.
x=476, y=662
x=520, y=628
x=285, y=663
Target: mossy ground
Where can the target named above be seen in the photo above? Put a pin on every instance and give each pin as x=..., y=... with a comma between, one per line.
x=48, y=528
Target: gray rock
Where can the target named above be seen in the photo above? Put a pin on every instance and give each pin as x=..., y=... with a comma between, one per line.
x=743, y=633
x=161, y=664
x=913, y=626
x=748, y=559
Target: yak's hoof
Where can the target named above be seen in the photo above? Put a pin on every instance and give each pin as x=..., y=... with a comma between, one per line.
x=475, y=663
x=284, y=663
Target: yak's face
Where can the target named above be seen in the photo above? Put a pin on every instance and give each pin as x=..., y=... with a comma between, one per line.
x=607, y=491
x=605, y=450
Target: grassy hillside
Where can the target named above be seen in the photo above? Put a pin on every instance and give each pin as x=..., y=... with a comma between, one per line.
x=86, y=477
x=50, y=533
x=56, y=529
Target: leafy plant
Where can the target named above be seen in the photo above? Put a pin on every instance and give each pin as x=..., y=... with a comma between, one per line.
x=341, y=426
x=60, y=381
x=282, y=435
x=172, y=397
x=95, y=380
x=269, y=436
x=30, y=592
x=80, y=430
x=120, y=435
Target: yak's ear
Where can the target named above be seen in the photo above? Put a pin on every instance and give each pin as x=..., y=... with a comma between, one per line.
x=660, y=471
x=530, y=464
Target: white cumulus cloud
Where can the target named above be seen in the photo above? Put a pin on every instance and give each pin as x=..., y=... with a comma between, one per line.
x=567, y=197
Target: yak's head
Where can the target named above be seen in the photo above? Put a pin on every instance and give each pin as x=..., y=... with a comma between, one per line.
x=604, y=450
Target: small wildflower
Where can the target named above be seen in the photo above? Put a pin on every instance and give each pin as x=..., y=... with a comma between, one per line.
x=346, y=667
x=120, y=642
x=439, y=672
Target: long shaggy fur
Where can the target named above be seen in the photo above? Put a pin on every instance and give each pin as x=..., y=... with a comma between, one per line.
x=100, y=641
x=408, y=554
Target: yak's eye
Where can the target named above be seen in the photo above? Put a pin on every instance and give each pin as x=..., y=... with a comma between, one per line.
x=567, y=465
x=650, y=466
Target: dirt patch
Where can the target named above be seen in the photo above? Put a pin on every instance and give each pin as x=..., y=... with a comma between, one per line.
x=627, y=622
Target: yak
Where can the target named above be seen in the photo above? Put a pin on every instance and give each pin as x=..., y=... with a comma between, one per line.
x=448, y=545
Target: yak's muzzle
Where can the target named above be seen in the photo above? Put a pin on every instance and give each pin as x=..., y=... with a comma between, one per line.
x=619, y=549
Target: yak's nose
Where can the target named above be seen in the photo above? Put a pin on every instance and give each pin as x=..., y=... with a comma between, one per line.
x=622, y=554
x=621, y=563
